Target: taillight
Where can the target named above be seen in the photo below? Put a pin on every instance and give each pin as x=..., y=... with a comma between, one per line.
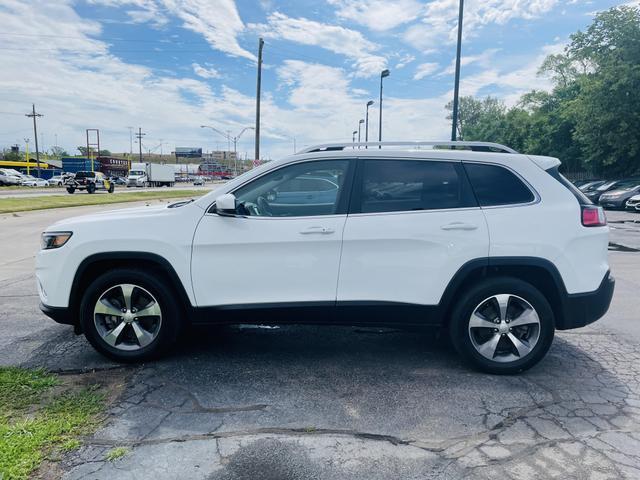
x=593, y=216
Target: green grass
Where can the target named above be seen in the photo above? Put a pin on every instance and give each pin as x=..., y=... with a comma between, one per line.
x=11, y=205
x=116, y=453
x=37, y=420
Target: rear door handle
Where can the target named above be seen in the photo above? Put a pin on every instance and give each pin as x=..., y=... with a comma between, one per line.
x=317, y=230
x=459, y=226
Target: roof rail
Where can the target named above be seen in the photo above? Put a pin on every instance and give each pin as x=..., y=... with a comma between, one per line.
x=473, y=146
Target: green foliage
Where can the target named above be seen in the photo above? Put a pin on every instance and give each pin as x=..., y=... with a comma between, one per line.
x=591, y=119
x=35, y=422
x=116, y=453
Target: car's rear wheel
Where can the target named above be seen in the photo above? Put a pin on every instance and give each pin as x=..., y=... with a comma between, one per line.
x=71, y=189
x=91, y=188
x=130, y=315
x=502, y=325
x=112, y=187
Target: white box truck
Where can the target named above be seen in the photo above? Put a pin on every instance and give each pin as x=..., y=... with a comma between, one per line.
x=151, y=175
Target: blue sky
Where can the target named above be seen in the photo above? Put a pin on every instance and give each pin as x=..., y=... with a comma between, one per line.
x=169, y=66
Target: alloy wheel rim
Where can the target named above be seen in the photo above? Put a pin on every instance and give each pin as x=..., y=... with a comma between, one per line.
x=127, y=317
x=504, y=328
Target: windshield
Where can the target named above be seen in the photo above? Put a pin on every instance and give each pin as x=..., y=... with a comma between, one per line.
x=85, y=174
x=136, y=173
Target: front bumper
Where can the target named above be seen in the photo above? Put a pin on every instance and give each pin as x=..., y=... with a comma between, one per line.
x=581, y=309
x=58, y=314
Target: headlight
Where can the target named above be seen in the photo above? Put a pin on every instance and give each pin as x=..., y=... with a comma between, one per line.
x=51, y=240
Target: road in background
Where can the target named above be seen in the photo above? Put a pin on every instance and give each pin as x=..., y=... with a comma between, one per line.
x=43, y=192
x=339, y=402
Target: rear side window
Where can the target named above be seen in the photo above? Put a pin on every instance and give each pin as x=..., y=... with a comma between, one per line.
x=405, y=185
x=580, y=196
x=495, y=185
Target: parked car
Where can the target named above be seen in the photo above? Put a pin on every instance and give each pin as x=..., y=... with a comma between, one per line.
x=594, y=193
x=7, y=178
x=497, y=248
x=89, y=181
x=31, y=181
x=119, y=180
x=633, y=203
x=199, y=180
x=617, y=197
x=57, y=180
x=591, y=184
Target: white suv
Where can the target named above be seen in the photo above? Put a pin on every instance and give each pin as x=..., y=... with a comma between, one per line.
x=495, y=246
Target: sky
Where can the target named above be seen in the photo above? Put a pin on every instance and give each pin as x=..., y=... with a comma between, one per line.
x=170, y=66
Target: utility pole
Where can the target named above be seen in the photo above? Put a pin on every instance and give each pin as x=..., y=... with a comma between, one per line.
x=456, y=87
x=260, y=45
x=33, y=115
x=139, y=136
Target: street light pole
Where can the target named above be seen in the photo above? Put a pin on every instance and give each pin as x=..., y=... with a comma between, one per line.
x=229, y=140
x=383, y=74
x=456, y=87
x=360, y=122
x=353, y=139
x=366, y=124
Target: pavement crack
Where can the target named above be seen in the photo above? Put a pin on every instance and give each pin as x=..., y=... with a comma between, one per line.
x=273, y=431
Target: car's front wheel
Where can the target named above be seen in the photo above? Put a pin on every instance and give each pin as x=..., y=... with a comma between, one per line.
x=502, y=325
x=130, y=315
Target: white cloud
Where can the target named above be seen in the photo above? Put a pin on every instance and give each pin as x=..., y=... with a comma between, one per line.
x=404, y=61
x=424, y=70
x=466, y=60
x=218, y=21
x=205, y=72
x=438, y=25
x=340, y=40
x=378, y=14
x=513, y=82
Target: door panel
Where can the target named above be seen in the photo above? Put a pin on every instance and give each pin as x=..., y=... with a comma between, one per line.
x=408, y=257
x=414, y=224
x=285, y=247
x=266, y=260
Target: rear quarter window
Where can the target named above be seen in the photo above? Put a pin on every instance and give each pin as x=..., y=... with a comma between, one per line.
x=580, y=196
x=494, y=185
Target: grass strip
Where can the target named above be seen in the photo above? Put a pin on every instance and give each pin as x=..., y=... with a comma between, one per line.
x=12, y=205
x=39, y=419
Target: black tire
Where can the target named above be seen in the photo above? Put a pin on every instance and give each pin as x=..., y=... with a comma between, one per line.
x=91, y=188
x=168, y=330
x=112, y=188
x=71, y=189
x=472, y=298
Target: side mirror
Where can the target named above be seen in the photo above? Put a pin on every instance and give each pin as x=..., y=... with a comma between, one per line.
x=226, y=204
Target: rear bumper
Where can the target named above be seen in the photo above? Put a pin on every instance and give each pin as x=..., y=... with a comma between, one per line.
x=581, y=309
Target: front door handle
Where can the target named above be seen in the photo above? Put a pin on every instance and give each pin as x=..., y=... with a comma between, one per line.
x=459, y=226
x=317, y=230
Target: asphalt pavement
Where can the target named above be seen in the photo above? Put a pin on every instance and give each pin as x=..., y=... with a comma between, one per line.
x=349, y=403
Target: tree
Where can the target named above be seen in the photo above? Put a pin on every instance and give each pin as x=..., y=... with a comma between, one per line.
x=58, y=152
x=591, y=118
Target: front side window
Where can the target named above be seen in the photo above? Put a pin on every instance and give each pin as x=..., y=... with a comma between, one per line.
x=300, y=190
x=495, y=185
x=406, y=185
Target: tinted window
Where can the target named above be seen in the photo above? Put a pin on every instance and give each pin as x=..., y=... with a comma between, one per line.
x=405, y=185
x=304, y=189
x=494, y=185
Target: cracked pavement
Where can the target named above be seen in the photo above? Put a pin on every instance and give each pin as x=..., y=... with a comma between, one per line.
x=341, y=402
